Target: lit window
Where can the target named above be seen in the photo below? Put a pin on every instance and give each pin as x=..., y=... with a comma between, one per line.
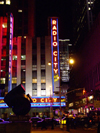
x=89, y=8
x=19, y=10
x=7, y=2
x=43, y=92
x=90, y=2
x=1, y=2
x=4, y=25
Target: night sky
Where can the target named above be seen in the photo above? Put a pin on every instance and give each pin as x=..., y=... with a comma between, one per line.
x=53, y=8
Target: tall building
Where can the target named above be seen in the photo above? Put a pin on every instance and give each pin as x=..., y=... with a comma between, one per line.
x=84, y=13
x=24, y=58
x=24, y=15
x=25, y=61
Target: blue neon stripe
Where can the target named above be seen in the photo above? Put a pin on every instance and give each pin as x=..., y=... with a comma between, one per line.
x=63, y=104
x=42, y=97
x=58, y=51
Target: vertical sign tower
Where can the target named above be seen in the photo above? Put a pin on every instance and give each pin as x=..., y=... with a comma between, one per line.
x=10, y=53
x=55, y=54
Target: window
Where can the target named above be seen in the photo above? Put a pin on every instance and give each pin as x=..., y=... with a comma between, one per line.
x=34, y=92
x=34, y=74
x=19, y=10
x=7, y=2
x=43, y=89
x=1, y=2
x=34, y=89
x=42, y=73
x=43, y=92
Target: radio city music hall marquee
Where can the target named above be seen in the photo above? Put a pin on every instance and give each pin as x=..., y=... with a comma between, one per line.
x=40, y=101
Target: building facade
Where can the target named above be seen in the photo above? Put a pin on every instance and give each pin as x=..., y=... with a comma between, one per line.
x=84, y=14
x=88, y=72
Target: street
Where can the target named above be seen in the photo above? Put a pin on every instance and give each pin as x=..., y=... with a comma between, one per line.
x=58, y=130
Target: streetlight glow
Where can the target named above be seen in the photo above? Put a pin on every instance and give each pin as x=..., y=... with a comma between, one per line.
x=71, y=61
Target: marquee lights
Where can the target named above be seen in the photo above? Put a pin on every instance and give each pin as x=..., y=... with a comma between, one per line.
x=40, y=102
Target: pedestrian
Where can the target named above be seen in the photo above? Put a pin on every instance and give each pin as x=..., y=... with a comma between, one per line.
x=43, y=123
x=98, y=128
x=67, y=123
x=52, y=123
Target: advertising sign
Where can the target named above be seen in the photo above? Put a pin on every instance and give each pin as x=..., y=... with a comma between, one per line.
x=55, y=53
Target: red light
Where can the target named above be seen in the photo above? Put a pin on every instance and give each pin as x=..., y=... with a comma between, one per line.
x=84, y=91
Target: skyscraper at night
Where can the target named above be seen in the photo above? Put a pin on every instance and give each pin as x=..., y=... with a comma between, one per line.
x=84, y=13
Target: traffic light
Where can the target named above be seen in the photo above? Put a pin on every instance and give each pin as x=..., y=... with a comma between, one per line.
x=84, y=91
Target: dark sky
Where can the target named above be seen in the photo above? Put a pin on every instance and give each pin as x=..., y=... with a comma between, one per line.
x=51, y=8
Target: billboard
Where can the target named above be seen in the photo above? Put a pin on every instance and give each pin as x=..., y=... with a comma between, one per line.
x=55, y=54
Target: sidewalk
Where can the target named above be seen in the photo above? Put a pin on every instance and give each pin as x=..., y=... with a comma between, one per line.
x=49, y=130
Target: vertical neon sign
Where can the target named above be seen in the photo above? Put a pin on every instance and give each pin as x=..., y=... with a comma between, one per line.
x=10, y=53
x=55, y=53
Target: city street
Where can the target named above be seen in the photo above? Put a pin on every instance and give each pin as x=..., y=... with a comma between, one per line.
x=58, y=130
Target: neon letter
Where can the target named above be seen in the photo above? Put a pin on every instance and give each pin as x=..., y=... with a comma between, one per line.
x=55, y=64
x=42, y=100
x=54, y=28
x=55, y=99
x=54, y=43
x=55, y=38
x=54, y=33
x=55, y=53
x=54, y=22
x=34, y=100
x=55, y=70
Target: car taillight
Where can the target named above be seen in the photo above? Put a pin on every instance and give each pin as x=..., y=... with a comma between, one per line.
x=90, y=121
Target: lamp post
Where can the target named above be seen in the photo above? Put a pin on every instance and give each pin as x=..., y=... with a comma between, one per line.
x=51, y=113
x=50, y=103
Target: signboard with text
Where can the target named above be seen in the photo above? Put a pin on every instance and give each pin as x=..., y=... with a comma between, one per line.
x=55, y=53
x=40, y=101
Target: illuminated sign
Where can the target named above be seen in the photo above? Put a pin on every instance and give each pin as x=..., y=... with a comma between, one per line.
x=40, y=101
x=55, y=53
x=10, y=52
x=55, y=44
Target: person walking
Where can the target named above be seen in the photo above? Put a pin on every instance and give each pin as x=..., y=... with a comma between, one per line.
x=43, y=123
x=52, y=123
x=98, y=128
x=67, y=124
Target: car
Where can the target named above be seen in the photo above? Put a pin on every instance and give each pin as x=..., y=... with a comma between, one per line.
x=36, y=121
x=63, y=120
x=84, y=121
x=1, y=120
x=95, y=114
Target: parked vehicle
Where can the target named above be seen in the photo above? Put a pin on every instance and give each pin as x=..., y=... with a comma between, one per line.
x=84, y=121
x=1, y=120
x=95, y=114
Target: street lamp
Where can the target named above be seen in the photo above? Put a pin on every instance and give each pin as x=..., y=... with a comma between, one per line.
x=71, y=61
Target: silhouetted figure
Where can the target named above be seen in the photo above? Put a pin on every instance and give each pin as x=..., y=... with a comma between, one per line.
x=52, y=123
x=73, y=123
x=67, y=123
x=98, y=128
x=43, y=123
